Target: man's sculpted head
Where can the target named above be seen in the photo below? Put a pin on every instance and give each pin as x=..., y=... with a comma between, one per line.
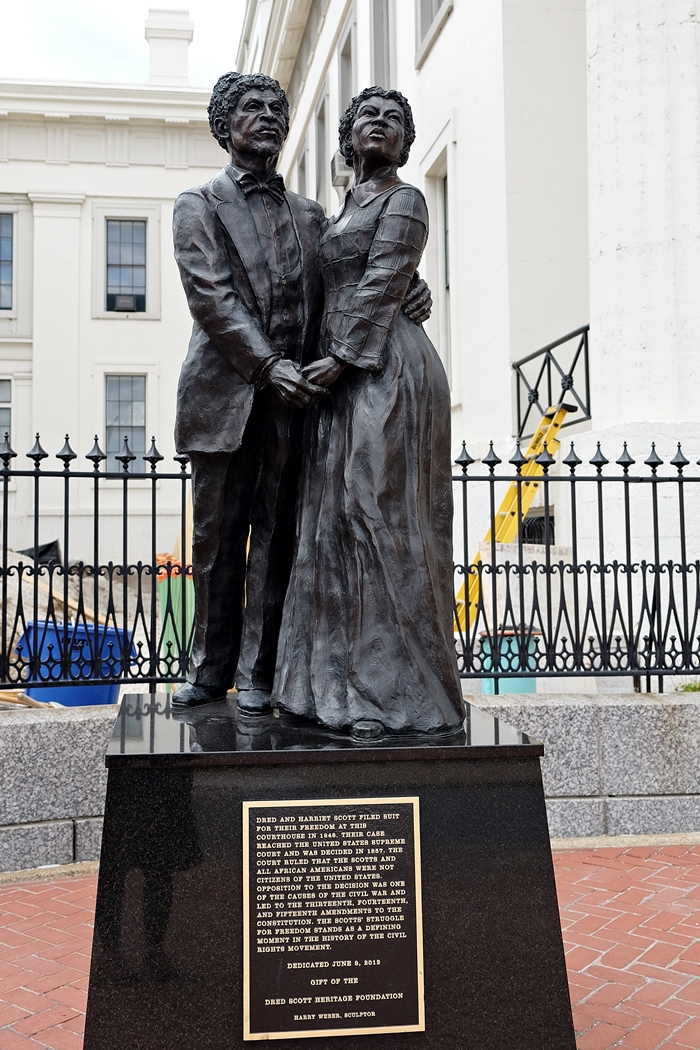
x=250, y=113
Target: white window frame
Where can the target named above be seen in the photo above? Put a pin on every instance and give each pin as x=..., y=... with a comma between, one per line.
x=425, y=41
x=323, y=100
x=441, y=327
x=303, y=154
x=9, y=377
x=101, y=211
x=12, y=209
x=149, y=369
x=390, y=43
x=349, y=32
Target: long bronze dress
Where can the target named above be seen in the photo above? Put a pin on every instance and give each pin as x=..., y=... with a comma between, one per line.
x=367, y=622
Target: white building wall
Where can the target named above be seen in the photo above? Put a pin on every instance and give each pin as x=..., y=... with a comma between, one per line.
x=544, y=65
x=500, y=108
x=457, y=97
x=644, y=148
x=122, y=152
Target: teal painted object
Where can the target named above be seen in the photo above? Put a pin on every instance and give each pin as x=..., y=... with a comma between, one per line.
x=510, y=660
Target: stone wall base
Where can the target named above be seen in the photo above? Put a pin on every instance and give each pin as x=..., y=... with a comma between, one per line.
x=615, y=764
x=50, y=842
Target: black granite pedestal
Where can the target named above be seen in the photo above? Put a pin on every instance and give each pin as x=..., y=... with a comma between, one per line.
x=186, y=791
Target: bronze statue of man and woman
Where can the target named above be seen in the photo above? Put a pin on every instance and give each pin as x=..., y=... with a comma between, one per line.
x=316, y=415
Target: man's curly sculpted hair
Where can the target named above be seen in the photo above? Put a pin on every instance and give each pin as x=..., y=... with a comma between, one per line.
x=229, y=88
x=348, y=119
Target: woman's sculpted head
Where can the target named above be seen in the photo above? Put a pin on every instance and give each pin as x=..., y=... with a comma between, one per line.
x=378, y=123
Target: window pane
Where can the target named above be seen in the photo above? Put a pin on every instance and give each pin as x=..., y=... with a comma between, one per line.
x=114, y=439
x=5, y=261
x=5, y=391
x=428, y=10
x=139, y=280
x=321, y=156
x=126, y=263
x=125, y=415
x=4, y=421
x=113, y=273
x=381, y=57
x=346, y=82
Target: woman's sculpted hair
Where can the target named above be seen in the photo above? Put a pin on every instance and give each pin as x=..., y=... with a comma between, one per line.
x=229, y=88
x=348, y=119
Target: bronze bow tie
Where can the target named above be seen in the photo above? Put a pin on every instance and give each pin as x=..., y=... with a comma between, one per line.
x=274, y=185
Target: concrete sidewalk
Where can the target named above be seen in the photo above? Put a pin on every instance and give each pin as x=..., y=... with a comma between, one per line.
x=630, y=915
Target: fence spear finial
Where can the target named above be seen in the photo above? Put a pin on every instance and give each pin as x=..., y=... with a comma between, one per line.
x=679, y=461
x=6, y=451
x=464, y=460
x=66, y=454
x=625, y=461
x=96, y=455
x=571, y=459
x=37, y=453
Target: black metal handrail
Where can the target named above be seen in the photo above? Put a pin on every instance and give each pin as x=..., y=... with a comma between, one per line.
x=568, y=382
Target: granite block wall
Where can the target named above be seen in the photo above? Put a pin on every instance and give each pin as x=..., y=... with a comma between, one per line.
x=52, y=784
x=619, y=764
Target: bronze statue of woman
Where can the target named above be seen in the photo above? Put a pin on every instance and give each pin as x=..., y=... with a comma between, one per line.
x=367, y=639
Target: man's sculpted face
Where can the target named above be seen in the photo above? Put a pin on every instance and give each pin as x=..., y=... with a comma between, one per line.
x=257, y=125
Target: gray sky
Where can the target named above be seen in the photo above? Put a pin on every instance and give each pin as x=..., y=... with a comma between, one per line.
x=103, y=40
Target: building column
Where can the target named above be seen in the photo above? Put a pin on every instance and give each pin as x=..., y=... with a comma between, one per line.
x=644, y=206
x=56, y=320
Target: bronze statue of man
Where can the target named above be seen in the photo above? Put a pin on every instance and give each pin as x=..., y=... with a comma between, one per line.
x=248, y=254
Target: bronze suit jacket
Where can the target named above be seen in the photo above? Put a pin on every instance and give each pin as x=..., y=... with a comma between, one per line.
x=228, y=287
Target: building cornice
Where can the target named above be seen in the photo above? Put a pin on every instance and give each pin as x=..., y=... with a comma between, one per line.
x=40, y=197
x=56, y=100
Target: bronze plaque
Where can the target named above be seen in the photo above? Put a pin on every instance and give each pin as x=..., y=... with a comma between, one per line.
x=332, y=924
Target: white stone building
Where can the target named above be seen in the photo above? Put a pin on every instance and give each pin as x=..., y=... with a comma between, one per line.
x=93, y=321
x=558, y=145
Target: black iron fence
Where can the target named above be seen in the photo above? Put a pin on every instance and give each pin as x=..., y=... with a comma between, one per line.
x=104, y=618
x=600, y=575
x=611, y=589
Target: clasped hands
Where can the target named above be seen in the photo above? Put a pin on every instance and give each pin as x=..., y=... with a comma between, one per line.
x=300, y=388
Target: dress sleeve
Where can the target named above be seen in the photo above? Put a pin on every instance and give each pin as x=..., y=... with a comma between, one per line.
x=361, y=330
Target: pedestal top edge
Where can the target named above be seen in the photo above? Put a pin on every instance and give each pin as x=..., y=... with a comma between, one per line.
x=149, y=731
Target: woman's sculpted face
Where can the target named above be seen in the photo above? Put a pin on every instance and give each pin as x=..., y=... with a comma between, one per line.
x=378, y=131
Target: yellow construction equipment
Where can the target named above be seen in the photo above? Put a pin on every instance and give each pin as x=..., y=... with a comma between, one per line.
x=507, y=523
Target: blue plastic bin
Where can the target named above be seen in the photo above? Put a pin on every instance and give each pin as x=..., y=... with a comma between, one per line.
x=81, y=639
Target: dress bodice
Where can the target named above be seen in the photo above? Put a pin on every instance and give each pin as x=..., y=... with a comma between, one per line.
x=369, y=255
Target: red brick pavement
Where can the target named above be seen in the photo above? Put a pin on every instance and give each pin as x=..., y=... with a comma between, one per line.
x=631, y=921
x=45, y=941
